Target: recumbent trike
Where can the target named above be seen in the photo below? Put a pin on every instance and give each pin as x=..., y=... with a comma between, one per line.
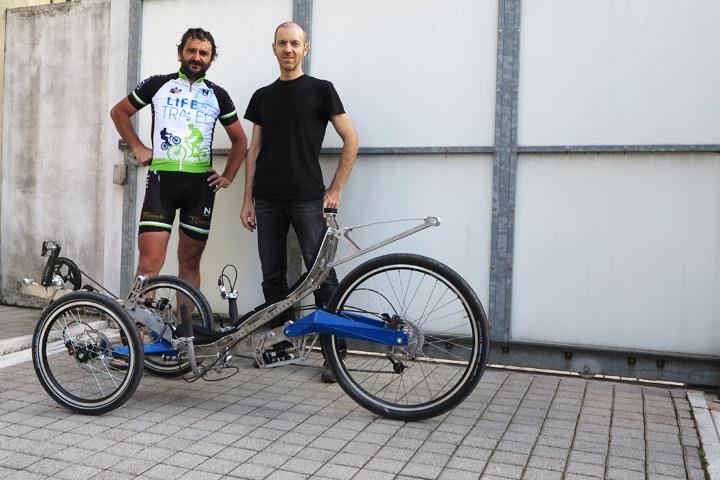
x=405, y=335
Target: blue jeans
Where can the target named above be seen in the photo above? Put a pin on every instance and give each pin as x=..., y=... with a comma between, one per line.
x=274, y=218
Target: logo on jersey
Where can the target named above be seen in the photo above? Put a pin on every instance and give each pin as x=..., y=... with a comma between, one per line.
x=175, y=90
x=205, y=92
x=207, y=212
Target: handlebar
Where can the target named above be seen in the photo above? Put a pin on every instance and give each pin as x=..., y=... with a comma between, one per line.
x=330, y=215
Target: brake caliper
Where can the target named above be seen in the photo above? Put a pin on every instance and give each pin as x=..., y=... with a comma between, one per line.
x=394, y=320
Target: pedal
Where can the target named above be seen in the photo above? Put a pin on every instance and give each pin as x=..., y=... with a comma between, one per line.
x=280, y=363
x=276, y=357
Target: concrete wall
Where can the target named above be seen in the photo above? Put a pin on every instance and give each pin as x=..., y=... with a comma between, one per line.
x=4, y=6
x=56, y=181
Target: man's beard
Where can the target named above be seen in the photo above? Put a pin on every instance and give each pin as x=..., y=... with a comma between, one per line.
x=185, y=68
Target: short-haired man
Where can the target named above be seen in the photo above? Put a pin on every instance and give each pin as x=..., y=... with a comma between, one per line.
x=185, y=107
x=283, y=179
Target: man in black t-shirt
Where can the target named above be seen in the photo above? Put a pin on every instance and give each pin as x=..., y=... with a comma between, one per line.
x=283, y=180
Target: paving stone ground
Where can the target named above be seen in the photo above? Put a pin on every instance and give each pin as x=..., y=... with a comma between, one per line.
x=284, y=423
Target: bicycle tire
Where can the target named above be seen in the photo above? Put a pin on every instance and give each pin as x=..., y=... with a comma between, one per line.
x=75, y=344
x=448, y=337
x=202, y=315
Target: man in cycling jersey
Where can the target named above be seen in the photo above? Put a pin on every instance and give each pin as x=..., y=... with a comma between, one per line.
x=181, y=174
x=283, y=180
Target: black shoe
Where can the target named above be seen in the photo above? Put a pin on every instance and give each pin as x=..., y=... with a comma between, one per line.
x=327, y=375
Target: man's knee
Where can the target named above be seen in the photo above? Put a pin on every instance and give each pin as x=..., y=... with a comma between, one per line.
x=189, y=260
x=150, y=263
x=190, y=251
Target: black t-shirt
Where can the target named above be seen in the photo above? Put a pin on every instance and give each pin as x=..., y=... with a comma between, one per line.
x=293, y=115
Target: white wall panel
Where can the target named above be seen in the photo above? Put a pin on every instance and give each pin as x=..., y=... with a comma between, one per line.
x=619, y=72
x=618, y=251
x=410, y=72
x=456, y=188
x=243, y=32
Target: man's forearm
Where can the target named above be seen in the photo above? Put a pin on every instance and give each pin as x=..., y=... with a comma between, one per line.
x=345, y=165
x=249, y=175
x=235, y=159
x=124, y=127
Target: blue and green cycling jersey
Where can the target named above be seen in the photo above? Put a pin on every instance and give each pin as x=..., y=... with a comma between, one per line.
x=183, y=120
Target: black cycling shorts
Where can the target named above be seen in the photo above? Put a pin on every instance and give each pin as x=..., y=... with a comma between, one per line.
x=166, y=192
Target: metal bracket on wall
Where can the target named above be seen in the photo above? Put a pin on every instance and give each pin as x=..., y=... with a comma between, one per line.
x=302, y=14
x=127, y=247
x=413, y=150
x=386, y=150
x=504, y=168
x=589, y=362
x=711, y=148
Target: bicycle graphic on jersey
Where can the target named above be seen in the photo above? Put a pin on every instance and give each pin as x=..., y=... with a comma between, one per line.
x=186, y=149
x=168, y=139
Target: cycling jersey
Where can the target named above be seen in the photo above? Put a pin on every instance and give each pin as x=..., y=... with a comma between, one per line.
x=183, y=120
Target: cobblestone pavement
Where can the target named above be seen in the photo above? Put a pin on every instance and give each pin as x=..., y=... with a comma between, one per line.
x=284, y=424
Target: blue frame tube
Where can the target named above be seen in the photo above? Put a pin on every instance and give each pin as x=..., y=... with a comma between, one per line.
x=155, y=348
x=350, y=325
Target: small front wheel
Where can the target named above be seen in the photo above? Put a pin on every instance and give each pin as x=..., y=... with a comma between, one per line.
x=87, y=353
x=447, y=330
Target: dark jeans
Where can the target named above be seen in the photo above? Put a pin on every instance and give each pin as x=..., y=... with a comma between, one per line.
x=274, y=218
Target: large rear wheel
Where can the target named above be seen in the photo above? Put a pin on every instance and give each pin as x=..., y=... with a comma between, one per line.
x=447, y=329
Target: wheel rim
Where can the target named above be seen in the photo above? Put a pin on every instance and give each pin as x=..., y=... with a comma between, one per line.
x=444, y=338
x=77, y=356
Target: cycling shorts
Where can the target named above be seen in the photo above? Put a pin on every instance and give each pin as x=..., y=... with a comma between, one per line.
x=165, y=192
